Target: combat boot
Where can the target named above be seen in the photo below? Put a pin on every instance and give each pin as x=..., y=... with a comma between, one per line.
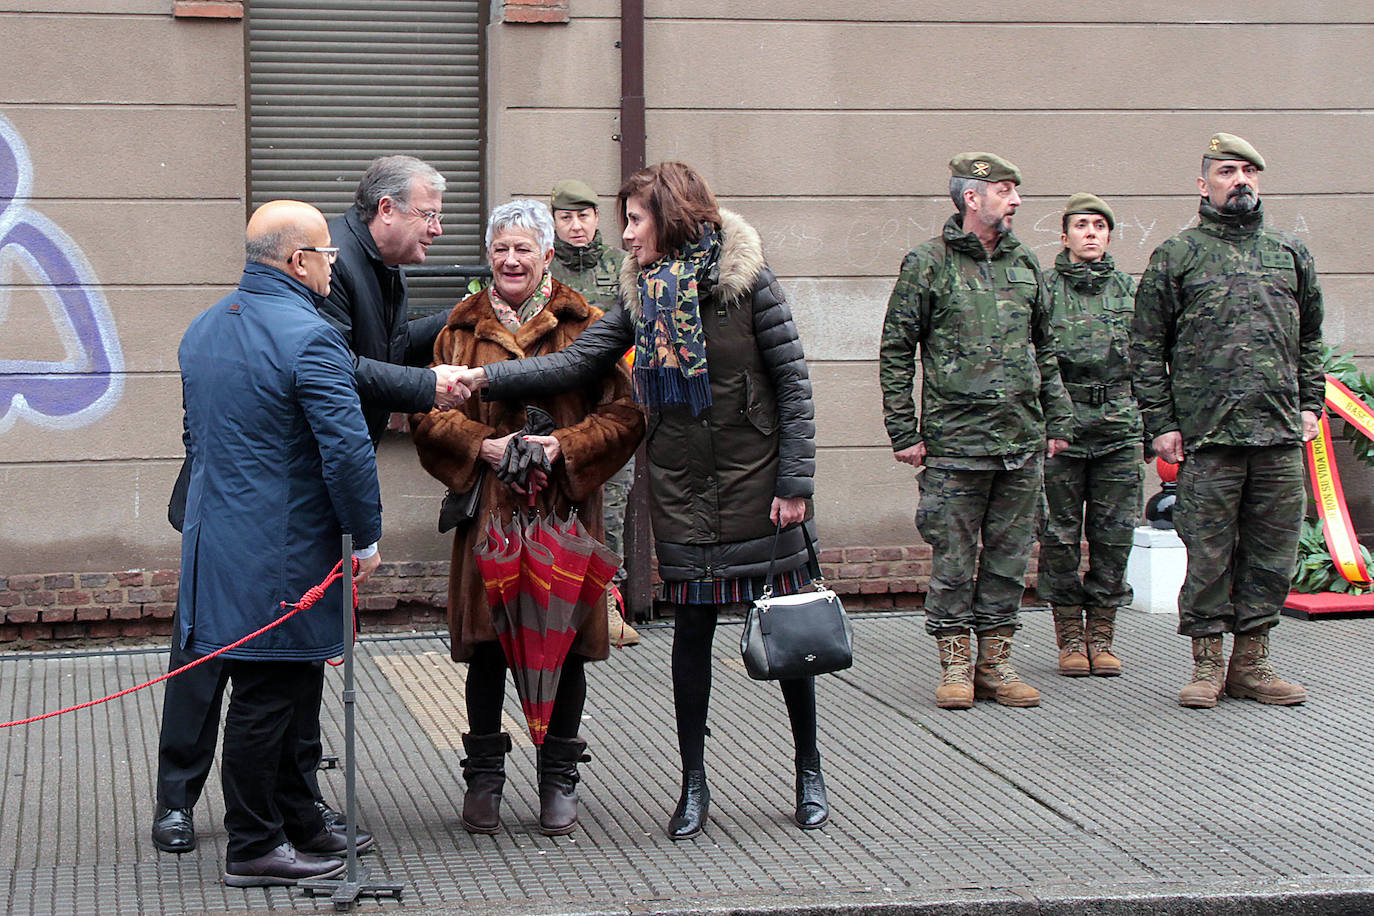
x=1250, y=676
x=994, y=678
x=956, y=666
x=484, y=771
x=1203, y=691
x=1101, y=629
x=1068, y=634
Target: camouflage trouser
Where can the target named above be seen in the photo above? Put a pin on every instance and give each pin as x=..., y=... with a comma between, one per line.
x=972, y=588
x=616, y=500
x=1101, y=496
x=1239, y=513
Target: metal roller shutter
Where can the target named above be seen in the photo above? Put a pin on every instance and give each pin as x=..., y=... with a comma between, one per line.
x=334, y=83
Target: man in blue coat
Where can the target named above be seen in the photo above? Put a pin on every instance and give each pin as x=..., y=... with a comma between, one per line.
x=281, y=465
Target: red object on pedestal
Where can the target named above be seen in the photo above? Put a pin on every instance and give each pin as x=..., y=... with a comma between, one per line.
x=1168, y=473
x=1327, y=604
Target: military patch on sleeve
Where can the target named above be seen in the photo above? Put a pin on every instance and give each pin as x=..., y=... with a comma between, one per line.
x=1277, y=259
x=1020, y=275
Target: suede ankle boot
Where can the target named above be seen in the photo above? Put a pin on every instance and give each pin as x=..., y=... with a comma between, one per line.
x=812, y=808
x=484, y=771
x=1068, y=635
x=956, y=671
x=558, y=778
x=994, y=678
x=690, y=815
x=1250, y=676
x=1205, y=688
x=1101, y=626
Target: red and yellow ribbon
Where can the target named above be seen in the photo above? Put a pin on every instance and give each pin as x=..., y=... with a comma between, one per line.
x=1326, y=481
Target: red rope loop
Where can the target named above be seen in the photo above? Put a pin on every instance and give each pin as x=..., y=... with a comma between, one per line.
x=308, y=600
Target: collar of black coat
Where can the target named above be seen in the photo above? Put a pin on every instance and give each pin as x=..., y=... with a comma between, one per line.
x=476, y=316
x=1230, y=225
x=733, y=275
x=1085, y=276
x=353, y=219
x=579, y=257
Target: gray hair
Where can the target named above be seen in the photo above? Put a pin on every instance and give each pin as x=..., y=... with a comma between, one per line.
x=275, y=248
x=530, y=215
x=392, y=176
x=957, y=187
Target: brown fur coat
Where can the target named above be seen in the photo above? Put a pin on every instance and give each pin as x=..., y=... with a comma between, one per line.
x=597, y=429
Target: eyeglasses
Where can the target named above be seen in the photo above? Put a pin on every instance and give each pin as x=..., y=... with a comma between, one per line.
x=433, y=217
x=332, y=254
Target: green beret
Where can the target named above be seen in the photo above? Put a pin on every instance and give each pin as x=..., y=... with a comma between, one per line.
x=1083, y=202
x=984, y=167
x=1229, y=146
x=572, y=195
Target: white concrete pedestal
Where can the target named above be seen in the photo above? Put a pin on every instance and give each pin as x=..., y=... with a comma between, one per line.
x=1155, y=570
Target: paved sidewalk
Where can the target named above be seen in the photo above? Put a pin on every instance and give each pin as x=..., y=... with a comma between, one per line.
x=1109, y=798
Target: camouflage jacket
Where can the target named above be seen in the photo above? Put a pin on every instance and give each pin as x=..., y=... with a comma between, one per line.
x=989, y=380
x=592, y=271
x=1090, y=313
x=1227, y=339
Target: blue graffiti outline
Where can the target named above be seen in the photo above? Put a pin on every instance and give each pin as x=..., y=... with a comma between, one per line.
x=83, y=387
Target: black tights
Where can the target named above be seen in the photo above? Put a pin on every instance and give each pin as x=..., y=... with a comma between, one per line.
x=486, y=692
x=694, y=626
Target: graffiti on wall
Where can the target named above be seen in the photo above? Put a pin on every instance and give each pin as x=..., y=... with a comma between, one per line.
x=35, y=254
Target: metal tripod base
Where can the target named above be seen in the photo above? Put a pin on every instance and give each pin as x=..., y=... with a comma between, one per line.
x=345, y=893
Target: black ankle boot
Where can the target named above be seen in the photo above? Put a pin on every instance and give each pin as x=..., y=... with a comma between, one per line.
x=692, y=807
x=558, y=778
x=484, y=771
x=812, y=809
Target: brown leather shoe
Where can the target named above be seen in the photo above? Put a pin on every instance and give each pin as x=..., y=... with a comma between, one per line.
x=1205, y=688
x=558, y=778
x=333, y=841
x=282, y=867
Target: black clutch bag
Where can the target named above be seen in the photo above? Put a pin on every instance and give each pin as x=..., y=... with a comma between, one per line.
x=799, y=635
x=461, y=508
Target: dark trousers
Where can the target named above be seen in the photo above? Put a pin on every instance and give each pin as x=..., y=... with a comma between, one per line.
x=266, y=798
x=190, y=725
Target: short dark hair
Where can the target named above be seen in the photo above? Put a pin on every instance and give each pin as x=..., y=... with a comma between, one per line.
x=679, y=201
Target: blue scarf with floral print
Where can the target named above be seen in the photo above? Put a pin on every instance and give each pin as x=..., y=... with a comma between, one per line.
x=670, y=347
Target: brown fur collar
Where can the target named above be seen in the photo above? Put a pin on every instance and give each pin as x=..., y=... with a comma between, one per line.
x=475, y=315
x=741, y=259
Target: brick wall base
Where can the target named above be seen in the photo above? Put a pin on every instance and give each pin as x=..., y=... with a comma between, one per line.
x=42, y=608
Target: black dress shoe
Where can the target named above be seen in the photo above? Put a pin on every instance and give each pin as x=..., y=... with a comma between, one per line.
x=812, y=808
x=333, y=841
x=173, y=830
x=281, y=867
x=690, y=815
x=331, y=817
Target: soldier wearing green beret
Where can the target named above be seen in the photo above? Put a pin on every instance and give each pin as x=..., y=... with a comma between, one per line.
x=1227, y=361
x=592, y=268
x=1093, y=486
x=970, y=307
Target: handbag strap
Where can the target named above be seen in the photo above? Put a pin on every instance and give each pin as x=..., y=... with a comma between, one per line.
x=813, y=561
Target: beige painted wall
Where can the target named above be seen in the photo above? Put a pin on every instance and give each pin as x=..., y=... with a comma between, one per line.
x=829, y=127
x=134, y=124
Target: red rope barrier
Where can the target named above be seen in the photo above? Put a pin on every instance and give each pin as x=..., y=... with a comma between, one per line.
x=312, y=595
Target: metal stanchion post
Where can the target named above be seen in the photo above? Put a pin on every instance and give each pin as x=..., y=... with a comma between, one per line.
x=354, y=884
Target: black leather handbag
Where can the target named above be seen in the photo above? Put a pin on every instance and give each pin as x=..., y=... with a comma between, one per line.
x=461, y=508
x=799, y=635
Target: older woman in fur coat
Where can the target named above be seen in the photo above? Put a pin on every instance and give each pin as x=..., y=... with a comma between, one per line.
x=523, y=313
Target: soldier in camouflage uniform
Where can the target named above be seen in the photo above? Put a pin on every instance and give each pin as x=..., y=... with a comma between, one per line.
x=592, y=268
x=1094, y=484
x=974, y=303
x=1227, y=362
